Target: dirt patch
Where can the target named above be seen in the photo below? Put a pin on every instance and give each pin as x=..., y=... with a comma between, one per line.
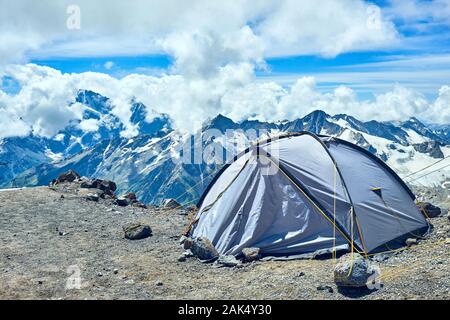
x=46, y=240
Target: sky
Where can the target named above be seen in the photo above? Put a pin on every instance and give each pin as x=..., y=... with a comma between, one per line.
x=260, y=59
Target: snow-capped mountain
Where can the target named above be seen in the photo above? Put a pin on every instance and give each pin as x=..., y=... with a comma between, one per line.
x=161, y=162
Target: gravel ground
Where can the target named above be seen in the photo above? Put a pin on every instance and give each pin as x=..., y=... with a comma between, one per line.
x=46, y=239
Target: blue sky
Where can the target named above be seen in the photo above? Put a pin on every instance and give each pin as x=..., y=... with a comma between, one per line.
x=268, y=59
x=422, y=30
x=420, y=60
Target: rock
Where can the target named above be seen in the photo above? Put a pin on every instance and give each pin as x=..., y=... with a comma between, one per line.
x=227, y=261
x=108, y=187
x=203, y=249
x=171, y=204
x=301, y=274
x=137, y=231
x=325, y=288
x=411, y=242
x=433, y=148
x=116, y=271
x=89, y=184
x=84, y=192
x=182, y=239
x=183, y=257
x=352, y=272
x=92, y=197
x=251, y=254
x=121, y=202
x=131, y=196
x=187, y=243
x=138, y=204
x=430, y=210
x=447, y=241
x=69, y=176
x=158, y=283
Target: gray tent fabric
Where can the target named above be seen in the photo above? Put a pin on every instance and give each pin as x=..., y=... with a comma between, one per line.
x=384, y=208
x=325, y=194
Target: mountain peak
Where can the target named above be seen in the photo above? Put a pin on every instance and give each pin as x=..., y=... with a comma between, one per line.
x=317, y=115
x=221, y=123
x=93, y=100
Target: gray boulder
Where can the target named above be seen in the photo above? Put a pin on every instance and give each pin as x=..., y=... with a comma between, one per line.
x=352, y=272
x=251, y=254
x=203, y=249
x=137, y=231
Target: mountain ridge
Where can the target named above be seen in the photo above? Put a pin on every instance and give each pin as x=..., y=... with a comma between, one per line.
x=153, y=163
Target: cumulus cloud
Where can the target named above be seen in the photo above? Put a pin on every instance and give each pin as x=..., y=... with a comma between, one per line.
x=45, y=103
x=108, y=65
x=228, y=31
x=216, y=47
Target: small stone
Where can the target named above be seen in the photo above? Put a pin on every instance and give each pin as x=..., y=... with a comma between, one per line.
x=227, y=261
x=159, y=283
x=116, y=271
x=131, y=196
x=106, y=186
x=447, y=241
x=301, y=274
x=182, y=239
x=137, y=231
x=92, y=197
x=138, y=204
x=99, y=274
x=203, y=249
x=251, y=254
x=325, y=288
x=62, y=196
x=121, y=202
x=40, y=282
x=171, y=204
x=191, y=208
x=410, y=242
x=187, y=243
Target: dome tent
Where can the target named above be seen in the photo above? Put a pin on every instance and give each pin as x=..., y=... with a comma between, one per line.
x=300, y=194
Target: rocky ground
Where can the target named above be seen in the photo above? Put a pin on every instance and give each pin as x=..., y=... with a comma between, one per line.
x=49, y=236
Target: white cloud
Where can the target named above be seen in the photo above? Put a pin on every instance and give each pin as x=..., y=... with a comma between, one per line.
x=108, y=65
x=89, y=125
x=300, y=27
x=416, y=11
x=189, y=29
x=45, y=102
